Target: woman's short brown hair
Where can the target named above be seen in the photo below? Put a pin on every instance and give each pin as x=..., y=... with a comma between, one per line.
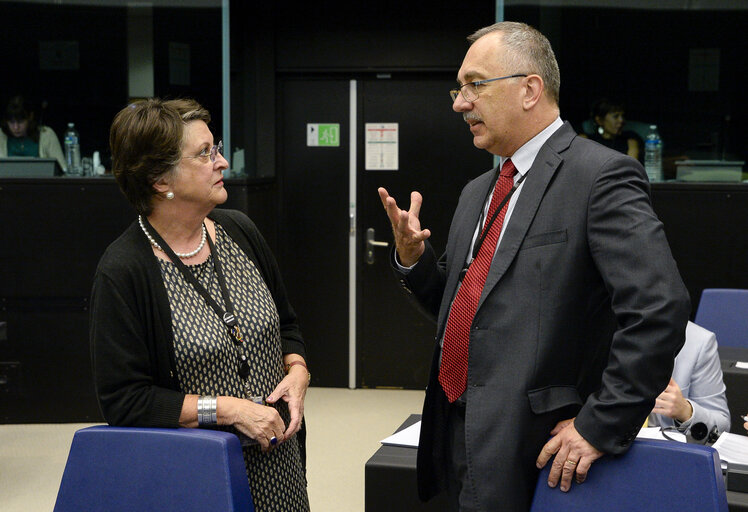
x=146, y=143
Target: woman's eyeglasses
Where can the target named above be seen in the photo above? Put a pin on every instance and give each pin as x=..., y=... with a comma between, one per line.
x=211, y=153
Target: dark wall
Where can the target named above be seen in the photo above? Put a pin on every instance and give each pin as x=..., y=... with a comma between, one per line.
x=707, y=228
x=334, y=38
x=201, y=30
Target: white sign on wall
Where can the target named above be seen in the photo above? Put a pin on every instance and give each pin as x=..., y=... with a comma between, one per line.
x=382, y=147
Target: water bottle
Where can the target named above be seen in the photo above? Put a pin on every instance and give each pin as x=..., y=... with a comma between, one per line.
x=72, y=150
x=653, y=154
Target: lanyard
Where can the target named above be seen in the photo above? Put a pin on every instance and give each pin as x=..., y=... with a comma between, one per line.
x=227, y=316
x=483, y=235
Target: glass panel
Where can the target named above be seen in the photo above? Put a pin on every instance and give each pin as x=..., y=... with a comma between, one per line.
x=81, y=62
x=674, y=67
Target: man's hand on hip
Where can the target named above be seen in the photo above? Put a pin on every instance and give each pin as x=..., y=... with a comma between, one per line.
x=406, y=227
x=574, y=455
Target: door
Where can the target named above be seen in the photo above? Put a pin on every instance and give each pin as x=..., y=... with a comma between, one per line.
x=313, y=221
x=436, y=157
x=393, y=340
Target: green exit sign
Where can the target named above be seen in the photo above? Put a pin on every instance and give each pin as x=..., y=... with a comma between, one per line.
x=326, y=135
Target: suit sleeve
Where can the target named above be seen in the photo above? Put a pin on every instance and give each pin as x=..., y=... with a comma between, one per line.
x=651, y=305
x=425, y=282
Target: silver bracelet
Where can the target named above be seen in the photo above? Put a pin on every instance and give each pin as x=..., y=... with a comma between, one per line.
x=206, y=410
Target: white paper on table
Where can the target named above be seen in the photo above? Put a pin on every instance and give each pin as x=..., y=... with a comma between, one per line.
x=741, y=364
x=407, y=437
x=732, y=448
x=656, y=433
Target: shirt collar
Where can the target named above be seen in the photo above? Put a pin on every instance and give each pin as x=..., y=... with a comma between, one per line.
x=524, y=157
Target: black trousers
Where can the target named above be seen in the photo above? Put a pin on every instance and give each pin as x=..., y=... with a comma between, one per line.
x=460, y=492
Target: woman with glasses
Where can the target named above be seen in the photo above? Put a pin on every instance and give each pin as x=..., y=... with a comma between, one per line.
x=190, y=323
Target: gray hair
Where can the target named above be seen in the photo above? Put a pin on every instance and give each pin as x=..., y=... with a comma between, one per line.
x=528, y=51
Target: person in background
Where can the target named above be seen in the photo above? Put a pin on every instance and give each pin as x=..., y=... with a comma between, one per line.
x=186, y=333
x=21, y=134
x=557, y=295
x=696, y=392
x=609, y=120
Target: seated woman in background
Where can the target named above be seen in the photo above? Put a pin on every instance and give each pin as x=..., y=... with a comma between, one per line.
x=22, y=136
x=609, y=120
x=696, y=393
x=186, y=333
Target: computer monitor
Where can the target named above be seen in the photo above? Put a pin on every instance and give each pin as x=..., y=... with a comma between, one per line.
x=29, y=167
x=709, y=170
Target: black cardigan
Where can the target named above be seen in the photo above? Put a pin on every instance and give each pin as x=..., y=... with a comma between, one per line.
x=132, y=347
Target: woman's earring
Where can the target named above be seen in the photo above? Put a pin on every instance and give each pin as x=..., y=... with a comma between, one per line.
x=599, y=130
x=170, y=195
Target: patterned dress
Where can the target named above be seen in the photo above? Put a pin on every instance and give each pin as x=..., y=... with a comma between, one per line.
x=207, y=361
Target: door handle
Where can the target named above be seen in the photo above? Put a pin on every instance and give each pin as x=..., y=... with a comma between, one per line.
x=371, y=244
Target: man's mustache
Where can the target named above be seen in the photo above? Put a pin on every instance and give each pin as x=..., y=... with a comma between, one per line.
x=471, y=116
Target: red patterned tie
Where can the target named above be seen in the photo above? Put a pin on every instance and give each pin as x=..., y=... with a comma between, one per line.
x=454, y=364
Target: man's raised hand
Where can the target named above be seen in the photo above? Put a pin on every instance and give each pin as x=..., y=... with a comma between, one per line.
x=406, y=227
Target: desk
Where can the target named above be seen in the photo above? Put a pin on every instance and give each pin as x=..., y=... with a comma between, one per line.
x=736, y=384
x=390, y=481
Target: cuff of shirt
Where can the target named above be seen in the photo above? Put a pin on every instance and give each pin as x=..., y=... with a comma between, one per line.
x=400, y=267
x=690, y=421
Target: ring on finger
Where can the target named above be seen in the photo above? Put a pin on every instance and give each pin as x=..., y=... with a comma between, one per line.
x=273, y=441
x=571, y=462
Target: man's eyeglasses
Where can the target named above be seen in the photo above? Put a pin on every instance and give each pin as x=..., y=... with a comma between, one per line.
x=212, y=152
x=470, y=90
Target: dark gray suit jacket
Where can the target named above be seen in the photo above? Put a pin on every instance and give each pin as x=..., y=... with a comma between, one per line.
x=582, y=314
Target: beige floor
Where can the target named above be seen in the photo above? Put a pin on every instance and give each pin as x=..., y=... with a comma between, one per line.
x=344, y=425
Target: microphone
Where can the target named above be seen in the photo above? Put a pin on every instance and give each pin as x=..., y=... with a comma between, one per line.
x=700, y=434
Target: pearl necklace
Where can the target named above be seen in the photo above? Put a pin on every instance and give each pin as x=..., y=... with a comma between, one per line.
x=184, y=255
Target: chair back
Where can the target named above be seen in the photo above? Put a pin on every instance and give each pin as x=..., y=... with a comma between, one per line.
x=120, y=469
x=724, y=311
x=651, y=477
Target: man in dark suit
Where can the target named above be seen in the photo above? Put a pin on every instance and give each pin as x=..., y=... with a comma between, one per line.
x=571, y=305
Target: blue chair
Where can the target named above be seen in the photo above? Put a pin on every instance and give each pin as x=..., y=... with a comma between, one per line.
x=119, y=469
x=724, y=311
x=651, y=477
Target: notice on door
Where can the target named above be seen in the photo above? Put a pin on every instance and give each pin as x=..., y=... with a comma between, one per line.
x=324, y=135
x=382, y=147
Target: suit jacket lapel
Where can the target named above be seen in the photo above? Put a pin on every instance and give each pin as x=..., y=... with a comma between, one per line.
x=461, y=233
x=544, y=167
x=467, y=224
x=470, y=220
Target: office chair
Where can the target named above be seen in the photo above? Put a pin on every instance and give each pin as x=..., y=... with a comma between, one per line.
x=651, y=477
x=119, y=469
x=724, y=311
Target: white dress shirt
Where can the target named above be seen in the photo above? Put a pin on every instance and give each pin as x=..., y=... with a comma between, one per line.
x=522, y=159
